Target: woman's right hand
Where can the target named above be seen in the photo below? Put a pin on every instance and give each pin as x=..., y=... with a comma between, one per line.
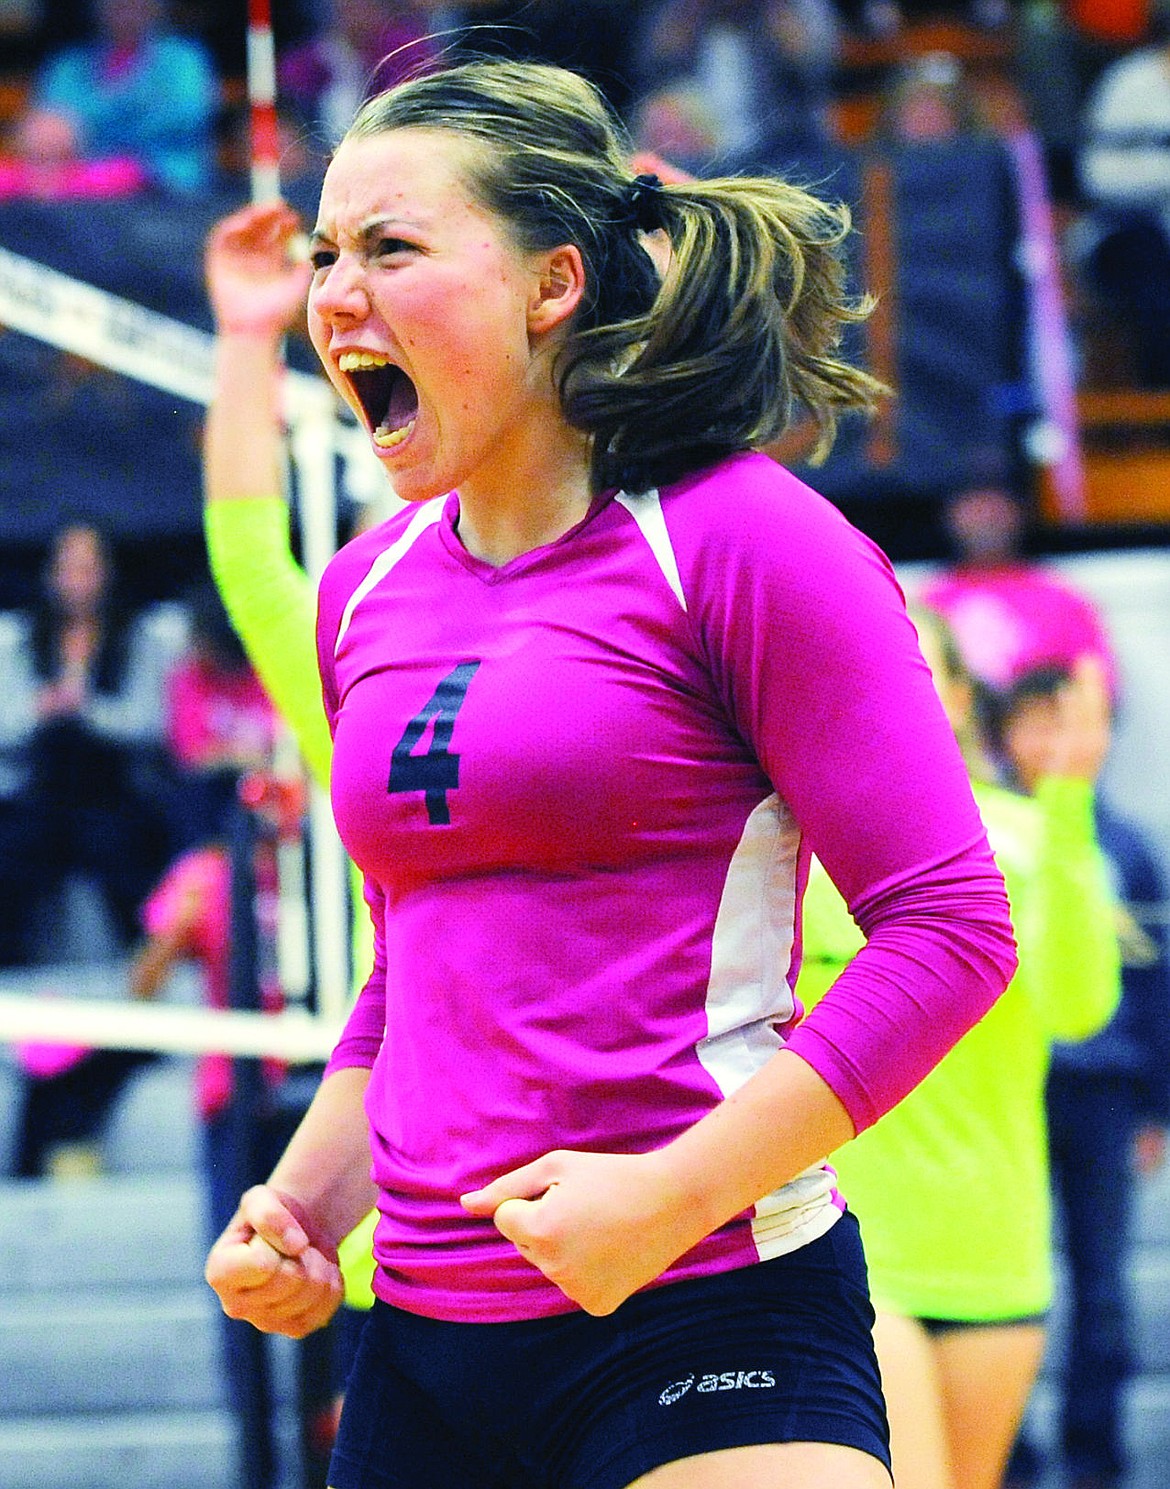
x=265, y=1269
x=256, y=281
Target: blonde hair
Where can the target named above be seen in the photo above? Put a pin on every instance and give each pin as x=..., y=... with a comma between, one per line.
x=665, y=375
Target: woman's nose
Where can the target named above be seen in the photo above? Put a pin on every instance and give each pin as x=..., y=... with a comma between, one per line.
x=341, y=293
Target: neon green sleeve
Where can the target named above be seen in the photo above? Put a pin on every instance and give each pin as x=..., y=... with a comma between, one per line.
x=273, y=605
x=1067, y=924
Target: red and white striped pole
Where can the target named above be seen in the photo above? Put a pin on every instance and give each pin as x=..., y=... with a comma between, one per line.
x=261, y=80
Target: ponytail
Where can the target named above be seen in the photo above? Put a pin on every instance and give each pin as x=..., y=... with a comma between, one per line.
x=742, y=336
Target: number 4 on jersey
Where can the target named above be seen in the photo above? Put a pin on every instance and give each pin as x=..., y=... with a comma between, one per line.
x=437, y=771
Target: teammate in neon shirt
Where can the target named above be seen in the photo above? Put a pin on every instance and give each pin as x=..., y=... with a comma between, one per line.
x=952, y=1186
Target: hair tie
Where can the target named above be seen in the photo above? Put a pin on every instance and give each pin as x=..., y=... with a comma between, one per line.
x=644, y=203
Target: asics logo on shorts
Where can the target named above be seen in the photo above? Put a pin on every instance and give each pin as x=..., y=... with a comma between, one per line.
x=674, y=1391
x=727, y=1380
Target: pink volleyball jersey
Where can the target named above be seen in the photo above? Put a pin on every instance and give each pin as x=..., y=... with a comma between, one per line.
x=583, y=788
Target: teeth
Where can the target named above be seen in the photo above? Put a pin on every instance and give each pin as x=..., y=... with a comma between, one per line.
x=386, y=439
x=350, y=361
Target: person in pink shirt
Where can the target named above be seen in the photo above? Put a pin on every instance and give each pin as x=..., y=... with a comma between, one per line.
x=219, y=720
x=244, y=1121
x=1009, y=613
x=597, y=693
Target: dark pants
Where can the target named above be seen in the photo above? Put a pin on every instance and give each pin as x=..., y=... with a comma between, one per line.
x=21, y=872
x=1092, y=1122
x=1093, y=1119
x=1131, y=268
x=72, y=1107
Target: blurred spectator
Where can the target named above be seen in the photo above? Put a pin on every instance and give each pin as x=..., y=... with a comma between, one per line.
x=1008, y=612
x=81, y=744
x=590, y=36
x=219, y=720
x=928, y=99
x=361, y=47
x=1125, y=173
x=138, y=100
x=758, y=73
x=1108, y=1107
x=245, y=1111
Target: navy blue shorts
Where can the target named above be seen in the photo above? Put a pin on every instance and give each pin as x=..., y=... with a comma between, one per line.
x=777, y=1352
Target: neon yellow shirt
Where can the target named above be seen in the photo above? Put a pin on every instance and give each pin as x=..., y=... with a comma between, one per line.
x=951, y=1186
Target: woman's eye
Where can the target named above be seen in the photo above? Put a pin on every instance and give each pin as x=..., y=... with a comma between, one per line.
x=321, y=258
x=388, y=246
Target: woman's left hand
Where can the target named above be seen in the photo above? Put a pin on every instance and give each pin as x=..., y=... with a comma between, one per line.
x=599, y=1225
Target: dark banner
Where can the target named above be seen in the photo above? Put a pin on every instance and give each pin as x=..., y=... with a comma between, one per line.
x=936, y=241
x=936, y=235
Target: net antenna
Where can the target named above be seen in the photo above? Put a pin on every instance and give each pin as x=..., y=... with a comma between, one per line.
x=263, y=128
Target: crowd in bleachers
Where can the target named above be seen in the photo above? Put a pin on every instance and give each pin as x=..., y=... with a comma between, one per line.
x=104, y=101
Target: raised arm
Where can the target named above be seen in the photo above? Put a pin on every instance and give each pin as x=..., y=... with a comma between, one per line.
x=257, y=291
x=1068, y=923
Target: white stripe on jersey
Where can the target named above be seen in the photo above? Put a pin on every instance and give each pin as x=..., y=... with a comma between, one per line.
x=426, y=516
x=645, y=508
x=748, y=995
x=748, y=992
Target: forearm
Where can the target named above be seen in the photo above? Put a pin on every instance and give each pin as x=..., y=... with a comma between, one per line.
x=779, y=1123
x=1071, y=918
x=152, y=966
x=324, y=1173
x=242, y=456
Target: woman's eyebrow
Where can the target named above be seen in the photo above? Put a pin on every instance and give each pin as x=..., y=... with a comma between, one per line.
x=369, y=230
x=375, y=227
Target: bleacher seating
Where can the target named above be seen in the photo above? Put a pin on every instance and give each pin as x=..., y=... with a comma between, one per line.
x=108, y=1334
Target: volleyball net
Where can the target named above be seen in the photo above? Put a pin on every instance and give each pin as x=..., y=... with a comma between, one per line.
x=327, y=453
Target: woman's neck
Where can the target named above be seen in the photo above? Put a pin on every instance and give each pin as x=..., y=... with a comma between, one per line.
x=536, y=501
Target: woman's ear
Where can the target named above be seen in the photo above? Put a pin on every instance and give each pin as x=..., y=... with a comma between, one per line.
x=558, y=290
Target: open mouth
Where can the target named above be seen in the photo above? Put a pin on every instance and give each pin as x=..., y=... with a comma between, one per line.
x=387, y=396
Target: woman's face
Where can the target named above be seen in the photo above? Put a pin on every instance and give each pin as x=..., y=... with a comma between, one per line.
x=1030, y=737
x=77, y=570
x=426, y=316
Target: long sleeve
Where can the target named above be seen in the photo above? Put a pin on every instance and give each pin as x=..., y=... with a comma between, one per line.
x=272, y=603
x=1067, y=921
x=819, y=664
